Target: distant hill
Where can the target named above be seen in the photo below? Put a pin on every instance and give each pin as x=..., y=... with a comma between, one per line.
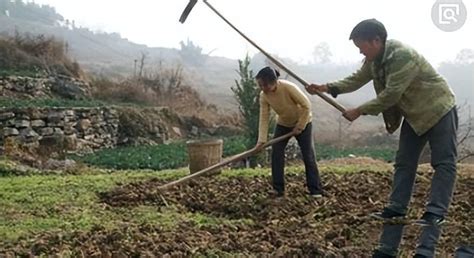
x=109, y=54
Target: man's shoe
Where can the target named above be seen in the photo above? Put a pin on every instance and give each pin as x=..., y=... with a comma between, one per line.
x=430, y=219
x=379, y=254
x=386, y=214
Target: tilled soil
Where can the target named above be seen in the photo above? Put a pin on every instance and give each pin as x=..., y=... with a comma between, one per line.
x=296, y=225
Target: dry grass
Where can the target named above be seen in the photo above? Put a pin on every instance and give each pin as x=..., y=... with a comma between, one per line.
x=164, y=87
x=27, y=54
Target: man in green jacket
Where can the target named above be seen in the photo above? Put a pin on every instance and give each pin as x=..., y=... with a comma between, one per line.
x=407, y=87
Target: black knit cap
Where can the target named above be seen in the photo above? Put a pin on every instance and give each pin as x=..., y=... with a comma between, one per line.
x=369, y=30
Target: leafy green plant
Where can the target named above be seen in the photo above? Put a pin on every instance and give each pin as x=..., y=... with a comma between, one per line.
x=174, y=155
x=142, y=157
x=158, y=157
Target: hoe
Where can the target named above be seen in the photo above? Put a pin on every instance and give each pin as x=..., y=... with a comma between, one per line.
x=253, y=151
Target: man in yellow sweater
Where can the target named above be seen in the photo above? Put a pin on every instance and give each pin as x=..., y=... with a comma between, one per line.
x=294, y=115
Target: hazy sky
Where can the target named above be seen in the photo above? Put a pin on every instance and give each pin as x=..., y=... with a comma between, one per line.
x=289, y=28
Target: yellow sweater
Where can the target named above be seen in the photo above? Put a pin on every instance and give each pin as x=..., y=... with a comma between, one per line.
x=289, y=103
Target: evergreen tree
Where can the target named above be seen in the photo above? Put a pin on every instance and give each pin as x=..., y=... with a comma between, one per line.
x=247, y=95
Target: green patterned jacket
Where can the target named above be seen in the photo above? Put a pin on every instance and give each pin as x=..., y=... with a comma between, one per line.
x=406, y=85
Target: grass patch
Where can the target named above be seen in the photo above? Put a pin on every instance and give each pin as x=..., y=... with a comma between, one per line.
x=327, y=152
x=298, y=169
x=64, y=103
x=32, y=72
x=203, y=220
x=49, y=102
x=36, y=204
x=163, y=156
x=156, y=157
x=174, y=155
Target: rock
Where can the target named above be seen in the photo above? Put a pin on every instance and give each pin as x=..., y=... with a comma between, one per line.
x=37, y=123
x=84, y=124
x=10, y=122
x=177, y=131
x=8, y=131
x=29, y=135
x=22, y=123
x=51, y=144
x=54, y=164
x=56, y=119
x=6, y=116
x=69, y=89
x=46, y=131
x=194, y=130
x=58, y=131
x=70, y=142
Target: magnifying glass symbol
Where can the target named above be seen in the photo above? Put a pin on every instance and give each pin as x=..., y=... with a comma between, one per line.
x=450, y=14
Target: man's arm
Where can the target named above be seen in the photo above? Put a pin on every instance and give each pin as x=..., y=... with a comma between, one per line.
x=401, y=72
x=352, y=82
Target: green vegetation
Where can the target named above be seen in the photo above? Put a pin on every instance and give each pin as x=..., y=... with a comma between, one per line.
x=141, y=157
x=22, y=72
x=7, y=167
x=48, y=102
x=174, y=155
x=63, y=103
x=35, y=204
x=247, y=93
x=164, y=156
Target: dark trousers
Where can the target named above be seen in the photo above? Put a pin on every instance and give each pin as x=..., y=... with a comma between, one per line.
x=464, y=252
x=305, y=141
x=442, y=140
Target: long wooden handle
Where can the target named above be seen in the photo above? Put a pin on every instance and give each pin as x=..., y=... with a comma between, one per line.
x=278, y=63
x=240, y=156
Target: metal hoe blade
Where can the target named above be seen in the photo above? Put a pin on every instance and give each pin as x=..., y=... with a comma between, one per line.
x=187, y=10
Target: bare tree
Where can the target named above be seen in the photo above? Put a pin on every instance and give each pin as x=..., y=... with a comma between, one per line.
x=143, y=57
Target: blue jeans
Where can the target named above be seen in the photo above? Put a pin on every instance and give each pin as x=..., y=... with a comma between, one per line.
x=442, y=140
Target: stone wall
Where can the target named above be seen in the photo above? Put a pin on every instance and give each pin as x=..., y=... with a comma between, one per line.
x=70, y=129
x=56, y=130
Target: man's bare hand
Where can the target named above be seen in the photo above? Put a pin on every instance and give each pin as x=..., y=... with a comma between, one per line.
x=352, y=114
x=315, y=88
